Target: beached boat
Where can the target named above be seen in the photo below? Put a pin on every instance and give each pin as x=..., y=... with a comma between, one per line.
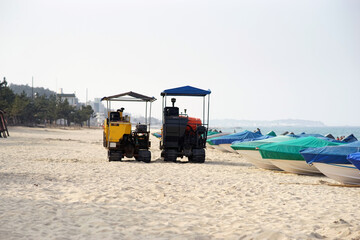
x=332, y=161
x=220, y=134
x=354, y=158
x=250, y=151
x=350, y=138
x=229, y=148
x=286, y=155
x=223, y=143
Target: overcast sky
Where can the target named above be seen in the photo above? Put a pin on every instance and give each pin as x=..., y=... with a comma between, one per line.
x=262, y=60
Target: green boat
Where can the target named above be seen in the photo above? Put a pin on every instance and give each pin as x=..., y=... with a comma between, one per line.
x=250, y=151
x=286, y=156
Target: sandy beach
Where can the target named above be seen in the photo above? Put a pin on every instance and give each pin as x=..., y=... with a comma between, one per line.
x=58, y=184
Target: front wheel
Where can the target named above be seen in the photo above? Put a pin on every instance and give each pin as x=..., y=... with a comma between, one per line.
x=144, y=155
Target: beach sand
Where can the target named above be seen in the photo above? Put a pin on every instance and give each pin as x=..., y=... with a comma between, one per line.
x=58, y=184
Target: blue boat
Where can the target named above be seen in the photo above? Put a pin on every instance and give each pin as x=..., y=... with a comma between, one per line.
x=333, y=161
x=223, y=143
x=354, y=158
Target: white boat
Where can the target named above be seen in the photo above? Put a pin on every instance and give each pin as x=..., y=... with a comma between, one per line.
x=295, y=166
x=217, y=147
x=227, y=147
x=344, y=173
x=286, y=155
x=254, y=157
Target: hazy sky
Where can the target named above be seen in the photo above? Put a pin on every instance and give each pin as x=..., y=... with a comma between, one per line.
x=262, y=60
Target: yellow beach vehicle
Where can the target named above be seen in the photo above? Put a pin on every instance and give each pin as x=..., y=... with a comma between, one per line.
x=119, y=138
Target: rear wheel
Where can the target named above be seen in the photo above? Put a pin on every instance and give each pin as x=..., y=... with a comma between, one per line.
x=104, y=140
x=114, y=155
x=198, y=156
x=170, y=155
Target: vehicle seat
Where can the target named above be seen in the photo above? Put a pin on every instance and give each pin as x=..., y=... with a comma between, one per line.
x=114, y=116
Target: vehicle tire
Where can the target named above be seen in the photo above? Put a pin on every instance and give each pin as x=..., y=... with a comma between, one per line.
x=114, y=156
x=144, y=155
x=104, y=140
x=170, y=155
x=198, y=156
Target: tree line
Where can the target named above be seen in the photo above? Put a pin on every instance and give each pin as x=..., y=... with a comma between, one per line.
x=23, y=110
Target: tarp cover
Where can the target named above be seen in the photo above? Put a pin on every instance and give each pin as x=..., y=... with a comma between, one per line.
x=158, y=135
x=331, y=154
x=272, y=133
x=185, y=91
x=350, y=138
x=212, y=133
x=241, y=136
x=310, y=135
x=252, y=145
x=354, y=158
x=217, y=135
x=290, y=150
x=253, y=139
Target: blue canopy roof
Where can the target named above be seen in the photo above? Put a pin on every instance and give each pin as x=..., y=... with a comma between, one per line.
x=185, y=91
x=241, y=136
x=354, y=158
x=331, y=154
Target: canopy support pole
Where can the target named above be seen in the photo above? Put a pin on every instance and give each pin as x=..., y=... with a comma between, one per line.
x=203, y=109
x=146, y=106
x=150, y=116
x=208, y=113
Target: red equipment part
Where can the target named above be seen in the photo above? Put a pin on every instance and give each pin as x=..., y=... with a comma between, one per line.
x=193, y=123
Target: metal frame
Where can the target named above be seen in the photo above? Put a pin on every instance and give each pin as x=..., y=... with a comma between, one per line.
x=204, y=111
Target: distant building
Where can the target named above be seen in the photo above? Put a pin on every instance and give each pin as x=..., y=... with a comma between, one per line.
x=99, y=110
x=71, y=98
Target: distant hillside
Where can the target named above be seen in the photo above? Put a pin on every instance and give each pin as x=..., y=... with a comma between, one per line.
x=283, y=122
x=18, y=89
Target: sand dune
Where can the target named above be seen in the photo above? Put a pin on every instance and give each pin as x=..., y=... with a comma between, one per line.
x=58, y=184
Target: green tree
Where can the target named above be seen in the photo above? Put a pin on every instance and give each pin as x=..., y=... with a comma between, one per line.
x=41, y=106
x=51, y=109
x=19, y=110
x=7, y=97
x=64, y=110
x=82, y=115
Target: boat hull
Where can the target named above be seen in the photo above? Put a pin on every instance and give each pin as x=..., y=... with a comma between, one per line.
x=227, y=147
x=254, y=157
x=344, y=173
x=218, y=147
x=295, y=166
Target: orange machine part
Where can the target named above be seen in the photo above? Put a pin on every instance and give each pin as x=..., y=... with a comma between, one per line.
x=193, y=123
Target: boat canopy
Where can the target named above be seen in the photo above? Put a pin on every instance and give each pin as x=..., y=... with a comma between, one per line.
x=354, y=158
x=241, y=136
x=185, y=91
x=331, y=154
x=290, y=150
x=252, y=145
